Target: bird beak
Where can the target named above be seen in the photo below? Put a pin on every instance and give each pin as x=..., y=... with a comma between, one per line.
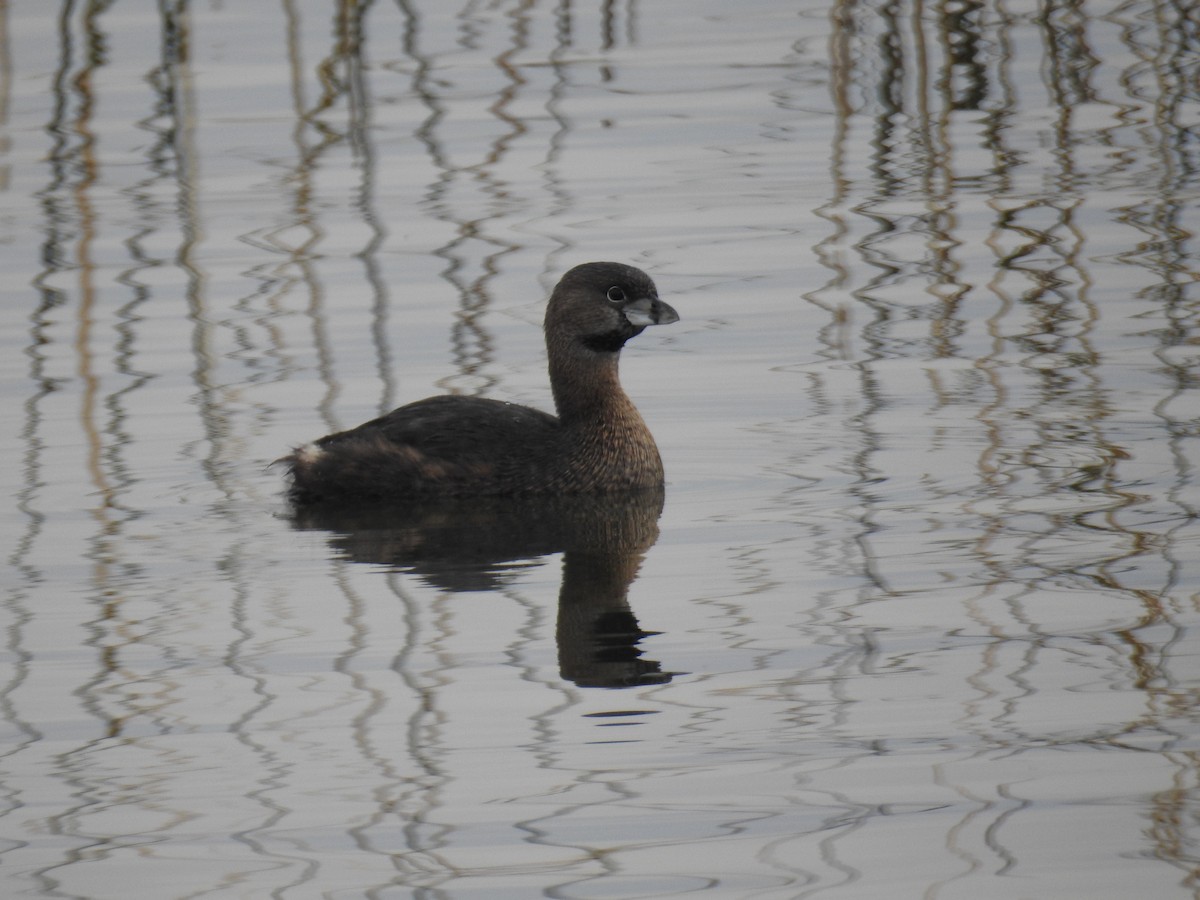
x=649, y=311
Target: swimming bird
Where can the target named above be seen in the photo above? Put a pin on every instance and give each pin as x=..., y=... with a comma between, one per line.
x=457, y=446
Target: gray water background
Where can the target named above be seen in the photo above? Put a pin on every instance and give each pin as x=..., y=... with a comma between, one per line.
x=919, y=617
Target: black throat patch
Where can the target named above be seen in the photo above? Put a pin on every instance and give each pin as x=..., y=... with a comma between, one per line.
x=609, y=342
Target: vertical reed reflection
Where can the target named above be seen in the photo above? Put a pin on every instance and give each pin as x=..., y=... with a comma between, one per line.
x=69, y=257
x=335, y=120
x=468, y=191
x=1011, y=294
x=968, y=141
x=414, y=826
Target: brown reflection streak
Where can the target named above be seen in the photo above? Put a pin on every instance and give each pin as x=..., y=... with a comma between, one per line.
x=74, y=168
x=1170, y=63
x=26, y=572
x=111, y=631
x=472, y=247
x=836, y=335
x=1060, y=438
x=359, y=129
x=1050, y=260
x=299, y=256
x=85, y=157
x=560, y=198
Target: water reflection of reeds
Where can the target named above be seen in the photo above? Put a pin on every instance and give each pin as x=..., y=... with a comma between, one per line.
x=1073, y=166
x=1011, y=301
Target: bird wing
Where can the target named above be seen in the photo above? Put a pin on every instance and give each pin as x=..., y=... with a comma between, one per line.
x=459, y=429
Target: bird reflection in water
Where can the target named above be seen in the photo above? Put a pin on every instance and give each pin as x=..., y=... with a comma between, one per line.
x=471, y=545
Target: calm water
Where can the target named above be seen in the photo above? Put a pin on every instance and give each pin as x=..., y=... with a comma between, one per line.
x=919, y=615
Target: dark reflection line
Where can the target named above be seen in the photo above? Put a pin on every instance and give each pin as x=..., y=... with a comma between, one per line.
x=609, y=19
x=560, y=199
x=834, y=337
x=300, y=257
x=273, y=770
x=74, y=172
x=376, y=702
x=426, y=87
x=1172, y=820
x=56, y=220
x=420, y=794
x=120, y=632
x=115, y=685
x=1147, y=662
x=471, y=343
x=426, y=838
x=175, y=156
x=215, y=416
x=1166, y=252
x=423, y=837
x=28, y=574
x=353, y=48
x=607, y=38
x=1048, y=259
x=84, y=214
x=1044, y=283
x=340, y=77
x=359, y=131
x=1000, y=110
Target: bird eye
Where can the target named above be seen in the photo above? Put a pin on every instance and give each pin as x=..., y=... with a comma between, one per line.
x=616, y=295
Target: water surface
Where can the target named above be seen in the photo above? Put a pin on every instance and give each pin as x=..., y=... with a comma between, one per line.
x=918, y=616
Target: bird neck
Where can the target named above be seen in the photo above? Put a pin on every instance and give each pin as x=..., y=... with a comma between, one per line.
x=587, y=388
x=605, y=439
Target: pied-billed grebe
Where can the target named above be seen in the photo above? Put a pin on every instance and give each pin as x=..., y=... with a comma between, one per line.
x=453, y=446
